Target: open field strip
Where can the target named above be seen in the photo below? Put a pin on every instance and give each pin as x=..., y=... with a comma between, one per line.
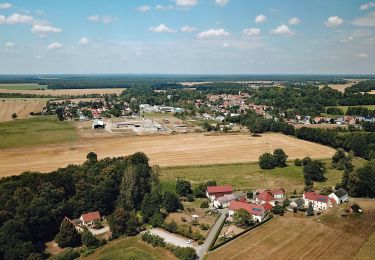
x=63, y=92
x=295, y=236
x=22, y=86
x=130, y=248
x=186, y=149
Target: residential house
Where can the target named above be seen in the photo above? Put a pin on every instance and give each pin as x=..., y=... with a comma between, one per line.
x=214, y=192
x=339, y=196
x=223, y=201
x=90, y=218
x=76, y=224
x=257, y=211
x=270, y=196
x=319, y=202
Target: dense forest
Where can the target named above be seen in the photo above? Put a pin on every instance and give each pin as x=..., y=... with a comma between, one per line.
x=363, y=86
x=33, y=205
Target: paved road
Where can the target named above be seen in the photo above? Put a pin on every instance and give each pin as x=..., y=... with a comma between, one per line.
x=201, y=250
x=172, y=238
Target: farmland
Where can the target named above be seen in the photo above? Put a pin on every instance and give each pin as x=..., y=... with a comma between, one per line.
x=130, y=248
x=298, y=237
x=187, y=149
x=248, y=176
x=345, y=108
x=65, y=92
x=22, y=107
x=22, y=86
x=34, y=131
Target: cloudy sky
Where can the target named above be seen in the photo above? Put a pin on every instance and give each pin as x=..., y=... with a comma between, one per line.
x=187, y=36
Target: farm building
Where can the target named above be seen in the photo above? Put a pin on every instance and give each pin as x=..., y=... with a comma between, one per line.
x=98, y=124
x=90, y=218
x=338, y=196
x=214, y=192
x=270, y=196
x=257, y=212
x=319, y=202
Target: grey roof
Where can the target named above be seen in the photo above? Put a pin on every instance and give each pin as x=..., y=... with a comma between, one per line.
x=300, y=202
x=340, y=193
x=226, y=198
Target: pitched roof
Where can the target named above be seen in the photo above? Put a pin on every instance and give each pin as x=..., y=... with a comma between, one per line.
x=91, y=216
x=253, y=209
x=300, y=202
x=219, y=189
x=265, y=196
x=226, y=198
x=277, y=192
x=333, y=201
x=267, y=206
x=340, y=193
x=316, y=197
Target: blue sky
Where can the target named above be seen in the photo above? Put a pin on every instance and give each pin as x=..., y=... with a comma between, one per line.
x=187, y=36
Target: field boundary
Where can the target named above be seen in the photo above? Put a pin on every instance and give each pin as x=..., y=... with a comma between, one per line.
x=236, y=236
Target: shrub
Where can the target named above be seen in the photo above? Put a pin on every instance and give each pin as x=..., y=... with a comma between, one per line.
x=356, y=208
x=204, y=204
x=183, y=219
x=204, y=226
x=184, y=253
x=67, y=254
x=278, y=210
x=297, y=162
x=154, y=240
x=190, y=198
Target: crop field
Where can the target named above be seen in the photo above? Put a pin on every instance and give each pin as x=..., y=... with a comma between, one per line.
x=129, y=249
x=330, y=236
x=34, y=131
x=164, y=150
x=22, y=107
x=248, y=176
x=22, y=86
x=65, y=92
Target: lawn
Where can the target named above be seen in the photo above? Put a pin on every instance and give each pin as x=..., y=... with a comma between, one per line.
x=345, y=108
x=131, y=248
x=247, y=176
x=35, y=131
x=26, y=86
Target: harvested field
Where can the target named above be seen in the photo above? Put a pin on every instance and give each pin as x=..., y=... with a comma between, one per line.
x=300, y=237
x=22, y=86
x=64, y=92
x=22, y=107
x=324, y=126
x=184, y=149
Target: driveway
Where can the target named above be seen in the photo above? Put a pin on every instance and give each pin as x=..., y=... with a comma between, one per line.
x=172, y=238
x=201, y=250
x=99, y=231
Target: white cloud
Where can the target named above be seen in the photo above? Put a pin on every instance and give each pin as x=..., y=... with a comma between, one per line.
x=104, y=19
x=55, y=46
x=5, y=5
x=144, y=8
x=44, y=28
x=188, y=28
x=334, y=21
x=17, y=18
x=226, y=45
x=294, y=21
x=9, y=44
x=367, y=20
x=346, y=39
x=186, y=3
x=2, y=19
x=213, y=33
x=283, y=30
x=260, y=19
x=162, y=28
x=367, y=6
x=361, y=55
x=164, y=7
x=83, y=41
x=251, y=32
x=221, y=2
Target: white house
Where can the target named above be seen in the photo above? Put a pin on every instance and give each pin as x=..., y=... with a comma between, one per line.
x=339, y=196
x=89, y=219
x=223, y=201
x=257, y=211
x=319, y=202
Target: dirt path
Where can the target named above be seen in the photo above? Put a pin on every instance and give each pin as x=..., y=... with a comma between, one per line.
x=167, y=150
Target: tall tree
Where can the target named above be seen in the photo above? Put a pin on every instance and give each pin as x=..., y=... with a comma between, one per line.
x=123, y=222
x=280, y=158
x=171, y=202
x=183, y=187
x=68, y=235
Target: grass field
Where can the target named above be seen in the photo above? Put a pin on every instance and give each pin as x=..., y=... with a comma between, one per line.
x=64, y=92
x=299, y=237
x=248, y=176
x=22, y=86
x=35, y=131
x=367, y=251
x=345, y=108
x=164, y=150
x=21, y=106
x=130, y=249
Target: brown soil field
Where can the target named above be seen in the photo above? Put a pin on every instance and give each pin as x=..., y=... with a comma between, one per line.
x=22, y=107
x=299, y=237
x=63, y=92
x=183, y=149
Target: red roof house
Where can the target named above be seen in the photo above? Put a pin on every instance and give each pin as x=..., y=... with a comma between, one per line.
x=257, y=211
x=214, y=192
x=267, y=206
x=89, y=218
x=265, y=196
